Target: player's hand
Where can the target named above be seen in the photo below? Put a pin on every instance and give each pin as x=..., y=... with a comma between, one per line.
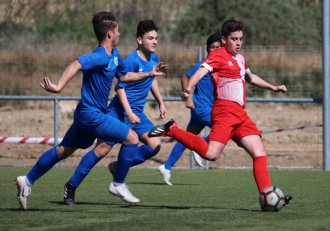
x=190, y=103
x=163, y=111
x=281, y=88
x=158, y=70
x=49, y=86
x=133, y=119
x=185, y=94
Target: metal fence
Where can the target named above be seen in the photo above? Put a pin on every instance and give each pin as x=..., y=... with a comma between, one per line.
x=291, y=123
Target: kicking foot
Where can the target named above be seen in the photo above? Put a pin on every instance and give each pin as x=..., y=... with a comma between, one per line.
x=163, y=129
x=287, y=199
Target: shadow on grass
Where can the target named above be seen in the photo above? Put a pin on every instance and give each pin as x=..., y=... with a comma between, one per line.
x=125, y=205
x=26, y=211
x=161, y=184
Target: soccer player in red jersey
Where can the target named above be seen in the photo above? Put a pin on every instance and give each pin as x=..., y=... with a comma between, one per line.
x=229, y=72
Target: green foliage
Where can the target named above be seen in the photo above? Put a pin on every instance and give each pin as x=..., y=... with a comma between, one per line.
x=198, y=200
x=267, y=22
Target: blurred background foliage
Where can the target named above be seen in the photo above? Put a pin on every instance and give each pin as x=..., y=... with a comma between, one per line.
x=282, y=39
x=187, y=22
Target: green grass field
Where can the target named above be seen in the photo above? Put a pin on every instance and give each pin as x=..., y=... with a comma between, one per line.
x=198, y=200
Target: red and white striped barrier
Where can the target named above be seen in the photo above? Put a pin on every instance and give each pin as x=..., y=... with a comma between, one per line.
x=51, y=140
x=28, y=140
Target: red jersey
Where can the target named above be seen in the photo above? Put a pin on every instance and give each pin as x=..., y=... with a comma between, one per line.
x=228, y=75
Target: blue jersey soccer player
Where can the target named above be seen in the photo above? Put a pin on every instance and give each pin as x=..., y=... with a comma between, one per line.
x=130, y=101
x=201, y=106
x=128, y=107
x=90, y=118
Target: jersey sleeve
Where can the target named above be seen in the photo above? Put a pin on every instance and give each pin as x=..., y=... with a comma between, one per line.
x=121, y=70
x=212, y=61
x=89, y=61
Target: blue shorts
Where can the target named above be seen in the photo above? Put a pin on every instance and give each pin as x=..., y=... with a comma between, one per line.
x=83, y=136
x=141, y=128
x=200, y=120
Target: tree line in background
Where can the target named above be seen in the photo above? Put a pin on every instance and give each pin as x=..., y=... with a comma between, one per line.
x=186, y=22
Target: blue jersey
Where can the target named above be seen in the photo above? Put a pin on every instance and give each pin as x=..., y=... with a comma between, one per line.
x=98, y=69
x=204, y=92
x=136, y=92
x=91, y=120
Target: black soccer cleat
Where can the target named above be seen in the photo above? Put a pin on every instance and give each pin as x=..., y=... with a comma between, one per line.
x=287, y=199
x=69, y=194
x=112, y=168
x=161, y=130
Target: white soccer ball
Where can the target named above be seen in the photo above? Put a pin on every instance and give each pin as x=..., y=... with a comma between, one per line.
x=271, y=199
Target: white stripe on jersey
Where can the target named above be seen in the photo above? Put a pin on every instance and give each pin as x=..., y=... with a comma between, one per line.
x=231, y=89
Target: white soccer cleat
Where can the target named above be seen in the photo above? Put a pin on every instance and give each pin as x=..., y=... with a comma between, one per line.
x=23, y=190
x=122, y=191
x=197, y=158
x=166, y=174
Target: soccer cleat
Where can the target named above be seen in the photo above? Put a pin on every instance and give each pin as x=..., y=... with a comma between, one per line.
x=198, y=159
x=166, y=174
x=122, y=192
x=287, y=199
x=69, y=194
x=23, y=191
x=163, y=129
x=112, y=168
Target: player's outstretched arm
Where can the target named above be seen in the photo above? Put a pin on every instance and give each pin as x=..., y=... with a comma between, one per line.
x=67, y=75
x=259, y=82
x=200, y=73
x=133, y=76
x=156, y=93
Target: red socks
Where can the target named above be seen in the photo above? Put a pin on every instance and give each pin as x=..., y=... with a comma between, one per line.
x=261, y=173
x=190, y=140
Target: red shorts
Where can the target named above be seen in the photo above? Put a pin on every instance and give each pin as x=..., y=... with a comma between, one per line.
x=230, y=121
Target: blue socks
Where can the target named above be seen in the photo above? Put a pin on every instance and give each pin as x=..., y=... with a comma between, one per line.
x=125, y=160
x=176, y=153
x=89, y=160
x=174, y=156
x=143, y=153
x=43, y=165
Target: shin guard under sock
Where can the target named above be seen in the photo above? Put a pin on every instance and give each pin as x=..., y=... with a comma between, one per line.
x=175, y=155
x=261, y=173
x=46, y=161
x=89, y=160
x=143, y=153
x=124, y=162
x=190, y=140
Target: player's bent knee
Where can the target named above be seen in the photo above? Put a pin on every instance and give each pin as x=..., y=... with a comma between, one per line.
x=132, y=138
x=212, y=156
x=102, y=149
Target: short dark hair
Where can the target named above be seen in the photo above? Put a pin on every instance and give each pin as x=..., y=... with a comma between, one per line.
x=230, y=26
x=102, y=23
x=145, y=26
x=212, y=39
